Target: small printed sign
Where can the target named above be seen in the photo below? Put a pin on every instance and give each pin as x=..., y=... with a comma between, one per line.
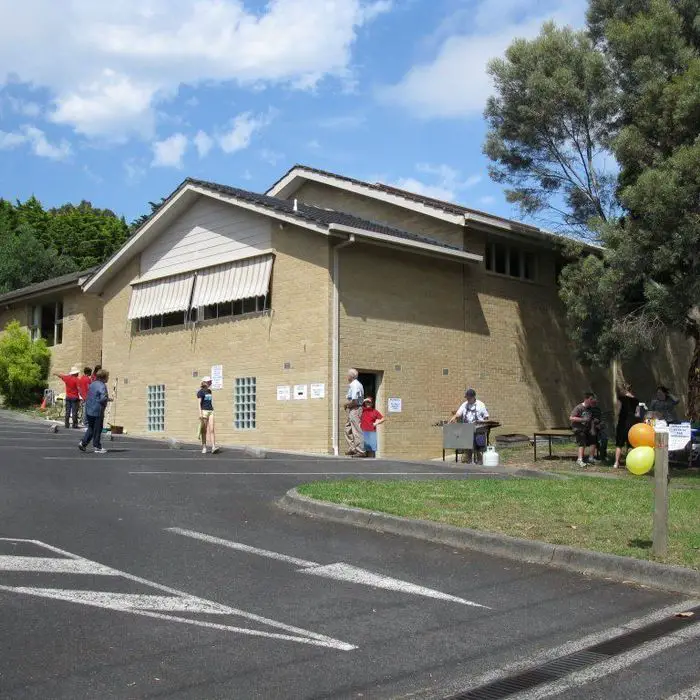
x=318, y=391
x=678, y=436
x=301, y=392
x=394, y=405
x=284, y=393
x=217, y=377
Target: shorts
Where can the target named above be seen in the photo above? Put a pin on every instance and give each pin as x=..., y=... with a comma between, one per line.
x=584, y=439
x=370, y=439
x=207, y=414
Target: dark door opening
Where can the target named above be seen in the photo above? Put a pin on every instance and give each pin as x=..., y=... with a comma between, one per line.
x=370, y=383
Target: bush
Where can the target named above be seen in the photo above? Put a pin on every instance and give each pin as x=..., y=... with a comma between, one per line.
x=24, y=366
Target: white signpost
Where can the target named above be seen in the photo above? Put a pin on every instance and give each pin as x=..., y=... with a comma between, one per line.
x=394, y=405
x=660, y=531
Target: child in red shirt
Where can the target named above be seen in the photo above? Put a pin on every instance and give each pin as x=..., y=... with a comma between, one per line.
x=371, y=418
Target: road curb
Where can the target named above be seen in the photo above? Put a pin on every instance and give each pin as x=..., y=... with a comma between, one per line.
x=609, y=566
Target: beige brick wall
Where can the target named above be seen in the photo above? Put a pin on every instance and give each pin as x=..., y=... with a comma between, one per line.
x=295, y=332
x=503, y=337
x=374, y=210
x=82, y=330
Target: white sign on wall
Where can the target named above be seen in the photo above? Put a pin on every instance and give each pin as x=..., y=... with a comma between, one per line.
x=284, y=393
x=678, y=436
x=301, y=392
x=394, y=405
x=318, y=391
x=217, y=377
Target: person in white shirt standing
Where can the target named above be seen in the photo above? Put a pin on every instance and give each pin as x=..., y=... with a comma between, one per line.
x=353, y=412
x=471, y=411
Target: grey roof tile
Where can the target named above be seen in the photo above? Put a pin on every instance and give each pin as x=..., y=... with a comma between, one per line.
x=46, y=285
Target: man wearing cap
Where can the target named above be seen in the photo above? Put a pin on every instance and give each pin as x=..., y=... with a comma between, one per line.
x=72, y=401
x=471, y=411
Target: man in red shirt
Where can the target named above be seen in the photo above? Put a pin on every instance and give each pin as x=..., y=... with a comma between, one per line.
x=84, y=384
x=72, y=382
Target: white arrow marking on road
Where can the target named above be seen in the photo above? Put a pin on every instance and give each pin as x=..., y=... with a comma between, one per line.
x=156, y=606
x=347, y=572
x=339, y=571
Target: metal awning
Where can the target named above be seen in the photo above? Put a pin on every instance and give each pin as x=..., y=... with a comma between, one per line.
x=237, y=280
x=161, y=296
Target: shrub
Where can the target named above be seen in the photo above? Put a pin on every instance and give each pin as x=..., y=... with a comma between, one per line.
x=24, y=366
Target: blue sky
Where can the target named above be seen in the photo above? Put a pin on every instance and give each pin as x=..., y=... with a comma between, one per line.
x=117, y=103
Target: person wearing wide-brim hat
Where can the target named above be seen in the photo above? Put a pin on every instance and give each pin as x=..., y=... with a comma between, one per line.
x=72, y=395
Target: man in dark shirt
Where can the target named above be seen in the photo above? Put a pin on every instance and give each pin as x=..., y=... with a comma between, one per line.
x=582, y=424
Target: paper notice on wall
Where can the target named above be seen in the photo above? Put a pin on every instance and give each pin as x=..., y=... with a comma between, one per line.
x=301, y=392
x=284, y=393
x=678, y=436
x=318, y=391
x=394, y=405
x=217, y=377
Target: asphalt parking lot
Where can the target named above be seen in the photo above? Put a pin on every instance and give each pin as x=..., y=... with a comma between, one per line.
x=157, y=572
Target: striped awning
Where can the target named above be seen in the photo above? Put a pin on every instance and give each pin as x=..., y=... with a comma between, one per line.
x=162, y=296
x=237, y=280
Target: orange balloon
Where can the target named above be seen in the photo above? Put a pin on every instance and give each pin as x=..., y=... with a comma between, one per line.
x=641, y=435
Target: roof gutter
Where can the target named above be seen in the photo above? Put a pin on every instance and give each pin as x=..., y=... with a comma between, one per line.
x=335, y=341
x=420, y=247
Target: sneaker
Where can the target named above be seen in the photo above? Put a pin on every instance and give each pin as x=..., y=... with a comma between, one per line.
x=101, y=451
x=580, y=463
x=204, y=450
x=81, y=447
x=215, y=449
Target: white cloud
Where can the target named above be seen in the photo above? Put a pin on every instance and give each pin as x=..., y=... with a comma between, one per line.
x=120, y=60
x=447, y=185
x=169, y=152
x=135, y=172
x=486, y=201
x=455, y=83
x=41, y=146
x=10, y=140
x=418, y=187
x=241, y=132
x=36, y=140
x=203, y=143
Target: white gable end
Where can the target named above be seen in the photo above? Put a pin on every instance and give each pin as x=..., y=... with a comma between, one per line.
x=208, y=233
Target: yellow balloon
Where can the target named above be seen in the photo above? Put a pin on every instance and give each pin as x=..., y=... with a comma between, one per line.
x=640, y=460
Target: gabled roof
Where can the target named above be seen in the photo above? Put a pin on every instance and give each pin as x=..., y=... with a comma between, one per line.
x=295, y=177
x=324, y=221
x=74, y=279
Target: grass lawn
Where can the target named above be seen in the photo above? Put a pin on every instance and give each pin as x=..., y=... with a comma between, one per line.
x=605, y=515
x=564, y=460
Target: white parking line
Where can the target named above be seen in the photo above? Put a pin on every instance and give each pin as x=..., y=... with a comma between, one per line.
x=155, y=606
x=687, y=694
x=593, y=673
x=339, y=571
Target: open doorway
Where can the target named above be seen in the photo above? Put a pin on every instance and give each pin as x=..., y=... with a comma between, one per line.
x=371, y=381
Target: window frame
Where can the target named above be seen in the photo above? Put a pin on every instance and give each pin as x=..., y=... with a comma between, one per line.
x=245, y=403
x=496, y=250
x=36, y=312
x=155, y=408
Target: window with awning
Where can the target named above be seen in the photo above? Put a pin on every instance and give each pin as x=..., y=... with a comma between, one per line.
x=243, y=279
x=217, y=292
x=161, y=297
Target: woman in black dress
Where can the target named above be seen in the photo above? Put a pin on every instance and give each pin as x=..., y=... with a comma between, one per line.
x=628, y=416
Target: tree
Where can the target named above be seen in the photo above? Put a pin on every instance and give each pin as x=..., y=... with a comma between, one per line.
x=645, y=284
x=24, y=260
x=36, y=244
x=649, y=281
x=141, y=220
x=549, y=127
x=24, y=366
